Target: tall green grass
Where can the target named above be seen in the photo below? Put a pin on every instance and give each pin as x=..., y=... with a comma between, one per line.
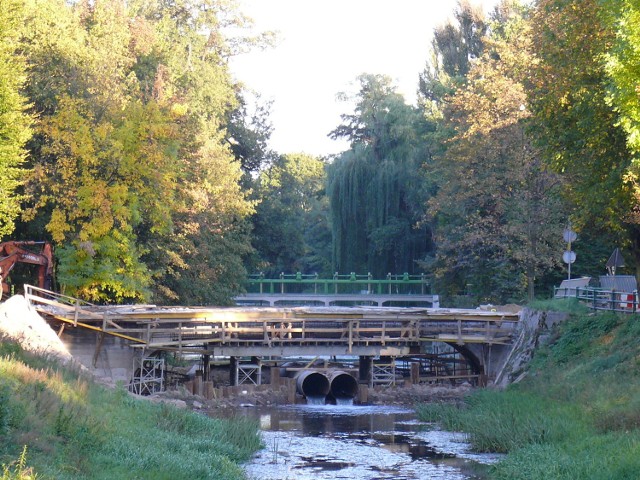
x=20, y=470
x=75, y=429
x=575, y=416
x=567, y=305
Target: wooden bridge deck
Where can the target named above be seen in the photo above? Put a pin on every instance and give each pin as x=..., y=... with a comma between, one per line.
x=281, y=331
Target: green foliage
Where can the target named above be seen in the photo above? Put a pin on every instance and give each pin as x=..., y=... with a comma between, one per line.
x=78, y=430
x=574, y=120
x=15, y=123
x=517, y=419
x=375, y=189
x=577, y=337
x=575, y=415
x=498, y=213
x=455, y=45
x=291, y=231
x=20, y=471
x=132, y=175
x=568, y=305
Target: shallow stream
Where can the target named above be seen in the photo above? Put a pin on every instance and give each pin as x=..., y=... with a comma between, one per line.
x=358, y=443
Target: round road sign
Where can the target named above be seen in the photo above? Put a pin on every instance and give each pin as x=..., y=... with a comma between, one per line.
x=569, y=235
x=569, y=256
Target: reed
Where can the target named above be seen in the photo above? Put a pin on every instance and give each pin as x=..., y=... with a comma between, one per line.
x=575, y=415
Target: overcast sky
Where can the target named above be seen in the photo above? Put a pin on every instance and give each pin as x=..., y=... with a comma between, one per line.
x=323, y=46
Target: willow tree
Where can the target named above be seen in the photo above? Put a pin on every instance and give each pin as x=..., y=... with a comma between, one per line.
x=374, y=188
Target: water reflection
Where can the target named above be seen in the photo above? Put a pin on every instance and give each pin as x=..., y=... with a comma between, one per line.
x=357, y=443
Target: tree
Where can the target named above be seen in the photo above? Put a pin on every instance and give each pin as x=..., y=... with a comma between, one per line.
x=210, y=238
x=132, y=175
x=15, y=123
x=291, y=231
x=375, y=189
x=248, y=134
x=455, y=45
x=498, y=211
x=574, y=121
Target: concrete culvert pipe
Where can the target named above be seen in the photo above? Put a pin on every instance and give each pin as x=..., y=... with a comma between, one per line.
x=312, y=384
x=343, y=385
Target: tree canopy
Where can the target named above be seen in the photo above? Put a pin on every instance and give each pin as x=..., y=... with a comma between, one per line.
x=15, y=123
x=132, y=172
x=374, y=189
x=126, y=142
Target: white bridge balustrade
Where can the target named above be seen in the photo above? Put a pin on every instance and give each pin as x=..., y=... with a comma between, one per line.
x=327, y=300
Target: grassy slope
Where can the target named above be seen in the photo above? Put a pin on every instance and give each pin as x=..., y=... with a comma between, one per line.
x=75, y=429
x=575, y=416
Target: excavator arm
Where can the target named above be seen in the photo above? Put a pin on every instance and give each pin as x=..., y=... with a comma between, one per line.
x=14, y=252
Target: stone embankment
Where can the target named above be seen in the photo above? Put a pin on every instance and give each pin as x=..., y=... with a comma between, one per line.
x=534, y=330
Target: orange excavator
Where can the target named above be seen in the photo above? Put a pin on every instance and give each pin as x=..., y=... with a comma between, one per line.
x=14, y=252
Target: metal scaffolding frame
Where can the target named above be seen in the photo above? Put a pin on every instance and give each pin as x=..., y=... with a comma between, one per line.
x=383, y=374
x=249, y=374
x=148, y=376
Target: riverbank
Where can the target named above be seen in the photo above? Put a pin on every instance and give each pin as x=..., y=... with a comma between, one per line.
x=576, y=412
x=57, y=422
x=73, y=428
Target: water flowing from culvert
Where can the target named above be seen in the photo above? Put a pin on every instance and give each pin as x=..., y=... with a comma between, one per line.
x=344, y=402
x=329, y=442
x=316, y=400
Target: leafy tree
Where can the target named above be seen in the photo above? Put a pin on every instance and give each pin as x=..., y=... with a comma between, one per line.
x=499, y=215
x=248, y=134
x=15, y=123
x=375, y=189
x=291, y=231
x=575, y=123
x=132, y=173
x=454, y=46
x=622, y=70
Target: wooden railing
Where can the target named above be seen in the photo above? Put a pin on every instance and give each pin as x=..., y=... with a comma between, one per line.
x=196, y=329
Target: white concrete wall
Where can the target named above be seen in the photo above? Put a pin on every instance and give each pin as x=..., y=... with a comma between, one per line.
x=115, y=358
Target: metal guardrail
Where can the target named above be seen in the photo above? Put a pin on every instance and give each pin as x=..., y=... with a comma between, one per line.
x=601, y=299
x=340, y=284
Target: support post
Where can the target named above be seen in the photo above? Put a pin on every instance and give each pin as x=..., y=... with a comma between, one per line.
x=98, y=348
x=415, y=373
x=275, y=377
x=233, y=371
x=206, y=367
x=364, y=369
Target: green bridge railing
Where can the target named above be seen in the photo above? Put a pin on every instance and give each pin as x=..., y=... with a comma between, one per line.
x=403, y=284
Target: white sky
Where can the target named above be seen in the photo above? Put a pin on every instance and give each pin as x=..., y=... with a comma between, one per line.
x=323, y=46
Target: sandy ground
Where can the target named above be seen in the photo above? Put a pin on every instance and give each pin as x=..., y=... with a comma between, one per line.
x=22, y=324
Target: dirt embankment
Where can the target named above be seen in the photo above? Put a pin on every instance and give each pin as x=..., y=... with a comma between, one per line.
x=23, y=325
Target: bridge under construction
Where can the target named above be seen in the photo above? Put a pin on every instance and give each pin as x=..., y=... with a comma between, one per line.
x=283, y=332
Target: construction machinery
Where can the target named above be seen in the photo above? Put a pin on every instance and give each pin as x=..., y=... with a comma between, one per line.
x=29, y=252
